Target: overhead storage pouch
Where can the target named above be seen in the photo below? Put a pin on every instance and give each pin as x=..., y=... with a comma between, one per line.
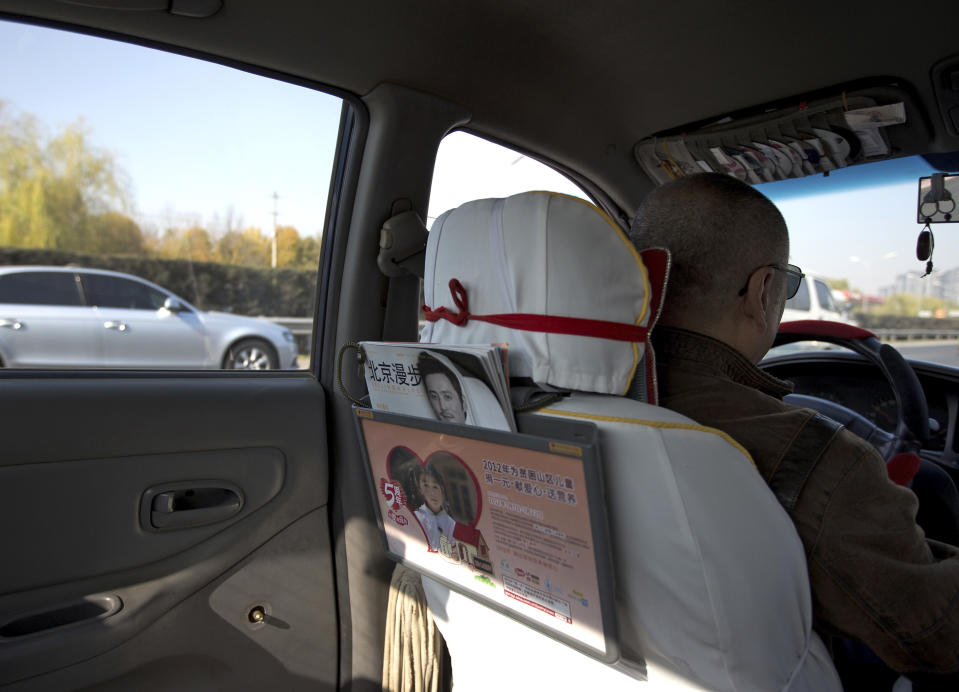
x=815, y=137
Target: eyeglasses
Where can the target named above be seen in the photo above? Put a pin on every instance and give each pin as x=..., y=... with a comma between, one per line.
x=794, y=277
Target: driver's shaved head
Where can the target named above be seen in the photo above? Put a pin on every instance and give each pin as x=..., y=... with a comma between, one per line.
x=718, y=230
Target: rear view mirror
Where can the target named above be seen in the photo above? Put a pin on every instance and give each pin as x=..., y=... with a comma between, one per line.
x=937, y=199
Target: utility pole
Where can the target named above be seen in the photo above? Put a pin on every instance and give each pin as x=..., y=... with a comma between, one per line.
x=275, y=198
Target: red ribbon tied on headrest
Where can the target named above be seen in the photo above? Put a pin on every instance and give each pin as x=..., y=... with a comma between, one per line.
x=575, y=326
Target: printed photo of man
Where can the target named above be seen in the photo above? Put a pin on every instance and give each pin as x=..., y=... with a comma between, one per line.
x=442, y=388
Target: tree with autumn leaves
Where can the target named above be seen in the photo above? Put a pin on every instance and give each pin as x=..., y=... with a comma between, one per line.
x=62, y=192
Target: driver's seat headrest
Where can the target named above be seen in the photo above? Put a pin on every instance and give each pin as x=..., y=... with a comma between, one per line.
x=543, y=254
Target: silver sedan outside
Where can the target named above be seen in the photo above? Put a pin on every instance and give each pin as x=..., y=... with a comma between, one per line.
x=68, y=317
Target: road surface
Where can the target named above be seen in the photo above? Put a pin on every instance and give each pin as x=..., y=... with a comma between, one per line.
x=945, y=352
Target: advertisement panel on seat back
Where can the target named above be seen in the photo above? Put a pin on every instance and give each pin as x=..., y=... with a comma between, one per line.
x=508, y=525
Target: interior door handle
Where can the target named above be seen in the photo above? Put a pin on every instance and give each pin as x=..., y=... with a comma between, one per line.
x=188, y=504
x=11, y=323
x=119, y=326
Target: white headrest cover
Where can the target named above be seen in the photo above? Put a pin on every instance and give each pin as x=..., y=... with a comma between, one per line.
x=545, y=254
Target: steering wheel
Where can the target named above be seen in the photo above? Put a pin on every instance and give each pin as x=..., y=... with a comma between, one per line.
x=912, y=421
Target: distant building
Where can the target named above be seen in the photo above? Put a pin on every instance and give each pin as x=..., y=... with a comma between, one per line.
x=950, y=285
x=940, y=284
x=910, y=283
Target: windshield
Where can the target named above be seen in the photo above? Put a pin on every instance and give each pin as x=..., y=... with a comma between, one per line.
x=854, y=234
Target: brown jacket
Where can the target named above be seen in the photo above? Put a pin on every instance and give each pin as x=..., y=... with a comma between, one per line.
x=874, y=575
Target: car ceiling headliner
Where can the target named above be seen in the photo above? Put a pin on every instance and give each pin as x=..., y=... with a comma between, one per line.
x=577, y=82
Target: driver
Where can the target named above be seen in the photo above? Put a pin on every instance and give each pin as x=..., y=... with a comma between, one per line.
x=875, y=577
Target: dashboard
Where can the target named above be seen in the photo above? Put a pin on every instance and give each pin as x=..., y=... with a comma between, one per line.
x=848, y=379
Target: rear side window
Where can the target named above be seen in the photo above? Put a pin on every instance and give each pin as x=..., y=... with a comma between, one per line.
x=113, y=292
x=207, y=181
x=825, y=296
x=39, y=288
x=470, y=168
x=800, y=301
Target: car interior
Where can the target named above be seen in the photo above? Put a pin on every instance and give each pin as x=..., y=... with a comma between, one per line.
x=275, y=574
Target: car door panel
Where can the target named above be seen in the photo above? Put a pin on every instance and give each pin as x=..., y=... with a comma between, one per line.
x=106, y=539
x=137, y=331
x=186, y=594
x=44, y=336
x=153, y=339
x=44, y=322
x=205, y=641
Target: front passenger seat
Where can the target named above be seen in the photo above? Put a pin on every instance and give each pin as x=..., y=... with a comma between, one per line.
x=711, y=588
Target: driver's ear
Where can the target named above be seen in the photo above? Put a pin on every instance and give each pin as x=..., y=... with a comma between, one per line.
x=755, y=302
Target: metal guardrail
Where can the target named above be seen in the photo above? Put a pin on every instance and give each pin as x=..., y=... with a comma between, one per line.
x=302, y=328
x=298, y=325
x=915, y=334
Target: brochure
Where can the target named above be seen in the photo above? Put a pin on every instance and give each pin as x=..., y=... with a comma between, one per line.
x=464, y=384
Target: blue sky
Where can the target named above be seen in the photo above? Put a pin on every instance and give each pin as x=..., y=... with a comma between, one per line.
x=194, y=137
x=197, y=139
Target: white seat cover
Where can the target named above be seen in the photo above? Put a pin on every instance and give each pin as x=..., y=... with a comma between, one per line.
x=711, y=582
x=505, y=272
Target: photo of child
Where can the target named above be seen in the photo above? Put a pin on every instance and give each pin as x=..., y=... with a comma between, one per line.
x=462, y=498
x=444, y=498
x=433, y=511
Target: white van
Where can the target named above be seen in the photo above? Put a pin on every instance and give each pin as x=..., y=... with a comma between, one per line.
x=813, y=301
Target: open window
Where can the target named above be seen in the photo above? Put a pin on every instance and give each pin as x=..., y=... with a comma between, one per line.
x=190, y=180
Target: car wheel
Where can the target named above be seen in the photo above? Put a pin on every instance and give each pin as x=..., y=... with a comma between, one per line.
x=251, y=354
